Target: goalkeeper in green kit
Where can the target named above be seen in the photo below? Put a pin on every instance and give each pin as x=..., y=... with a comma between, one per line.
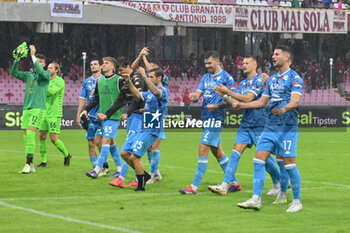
x=51, y=123
x=34, y=107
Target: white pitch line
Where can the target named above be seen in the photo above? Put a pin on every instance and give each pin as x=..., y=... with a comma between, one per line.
x=240, y=174
x=85, y=197
x=67, y=218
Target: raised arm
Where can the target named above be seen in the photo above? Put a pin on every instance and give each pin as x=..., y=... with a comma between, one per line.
x=16, y=73
x=149, y=83
x=143, y=53
x=135, y=103
x=42, y=73
x=132, y=88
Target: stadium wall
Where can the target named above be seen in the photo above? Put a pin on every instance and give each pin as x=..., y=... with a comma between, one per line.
x=92, y=14
x=309, y=116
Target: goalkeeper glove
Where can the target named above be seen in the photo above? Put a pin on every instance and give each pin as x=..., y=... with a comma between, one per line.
x=84, y=121
x=21, y=51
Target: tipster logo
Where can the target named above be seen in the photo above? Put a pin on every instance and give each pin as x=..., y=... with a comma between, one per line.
x=152, y=120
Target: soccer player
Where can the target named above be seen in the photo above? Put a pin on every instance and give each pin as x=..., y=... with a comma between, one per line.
x=54, y=111
x=280, y=134
x=93, y=131
x=252, y=124
x=153, y=152
x=211, y=135
x=156, y=99
x=132, y=113
x=34, y=107
x=106, y=92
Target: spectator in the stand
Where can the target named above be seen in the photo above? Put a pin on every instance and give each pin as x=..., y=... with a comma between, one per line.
x=310, y=68
x=326, y=3
x=184, y=72
x=9, y=94
x=339, y=69
x=323, y=84
x=263, y=48
x=308, y=84
x=186, y=99
x=74, y=77
x=295, y=4
x=314, y=79
x=324, y=67
x=340, y=5
x=319, y=72
x=306, y=4
x=267, y=67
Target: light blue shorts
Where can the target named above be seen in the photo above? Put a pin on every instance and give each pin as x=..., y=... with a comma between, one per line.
x=279, y=140
x=248, y=135
x=211, y=136
x=110, y=128
x=94, y=129
x=143, y=141
x=133, y=127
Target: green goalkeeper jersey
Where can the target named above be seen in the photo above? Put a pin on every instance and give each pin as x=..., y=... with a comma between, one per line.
x=108, y=91
x=37, y=83
x=55, y=94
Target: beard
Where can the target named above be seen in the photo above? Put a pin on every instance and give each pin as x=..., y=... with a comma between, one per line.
x=277, y=65
x=94, y=71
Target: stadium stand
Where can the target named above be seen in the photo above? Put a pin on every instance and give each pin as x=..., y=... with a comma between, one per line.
x=177, y=88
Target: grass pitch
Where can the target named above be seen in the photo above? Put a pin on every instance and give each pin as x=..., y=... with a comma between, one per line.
x=63, y=199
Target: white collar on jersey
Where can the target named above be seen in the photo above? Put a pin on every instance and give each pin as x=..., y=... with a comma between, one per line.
x=279, y=75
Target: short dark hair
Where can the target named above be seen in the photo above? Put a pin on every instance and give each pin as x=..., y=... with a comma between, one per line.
x=154, y=61
x=253, y=58
x=123, y=62
x=212, y=54
x=40, y=56
x=96, y=59
x=285, y=49
x=157, y=72
x=111, y=60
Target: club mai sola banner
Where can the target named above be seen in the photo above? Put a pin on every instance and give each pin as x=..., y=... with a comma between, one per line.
x=186, y=13
x=69, y=9
x=289, y=20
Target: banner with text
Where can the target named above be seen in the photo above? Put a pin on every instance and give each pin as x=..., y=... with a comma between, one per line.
x=190, y=118
x=289, y=20
x=69, y=9
x=186, y=13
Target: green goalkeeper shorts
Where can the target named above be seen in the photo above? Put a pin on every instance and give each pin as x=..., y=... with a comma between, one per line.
x=32, y=117
x=51, y=124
